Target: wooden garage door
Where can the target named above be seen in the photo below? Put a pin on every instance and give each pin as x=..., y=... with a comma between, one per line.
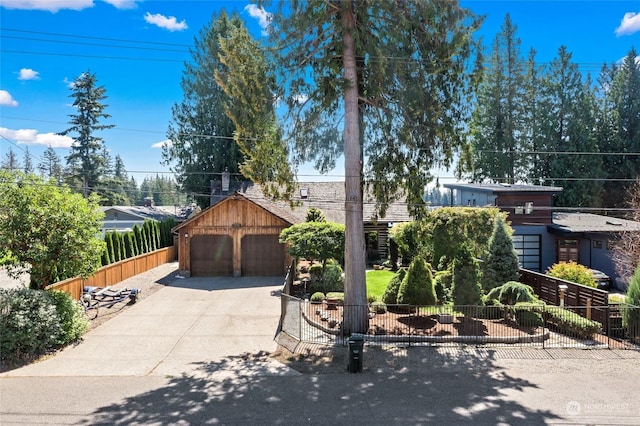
x=211, y=255
x=262, y=255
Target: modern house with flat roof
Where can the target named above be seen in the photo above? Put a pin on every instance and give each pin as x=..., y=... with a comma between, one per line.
x=542, y=236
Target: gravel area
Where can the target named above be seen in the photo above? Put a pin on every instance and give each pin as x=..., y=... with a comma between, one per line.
x=147, y=283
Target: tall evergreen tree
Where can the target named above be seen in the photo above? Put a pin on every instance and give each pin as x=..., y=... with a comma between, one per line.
x=247, y=79
x=27, y=162
x=496, y=121
x=86, y=161
x=625, y=92
x=572, y=107
x=50, y=165
x=11, y=161
x=394, y=76
x=201, y=134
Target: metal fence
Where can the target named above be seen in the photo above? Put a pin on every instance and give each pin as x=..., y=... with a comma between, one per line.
x=527, y=325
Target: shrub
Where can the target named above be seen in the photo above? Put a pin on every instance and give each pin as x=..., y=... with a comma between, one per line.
x=570, y=323
x=417, y=285
x=29, y=323
x=501, y=264
x=574, y=272
x=631, y=309
x=379, y=307
x=390, y=295
x=443, y=280
x=466, y=289
x=72, y=317
x=332, y=278
x=315, y=273
x=372, y=298
x=336, y=295
x=528, y=318
x=318, y=296
x=513, y=292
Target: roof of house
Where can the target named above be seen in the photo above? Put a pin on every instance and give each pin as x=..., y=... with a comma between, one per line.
x=144, y=212
x=496, y=188
x=586, y=222
x=329, y=197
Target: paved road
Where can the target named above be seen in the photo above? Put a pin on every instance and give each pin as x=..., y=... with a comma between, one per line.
x=196, y=352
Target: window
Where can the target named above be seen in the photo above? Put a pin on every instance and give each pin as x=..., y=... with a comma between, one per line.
x=597, y=244
x=528, y=249
x=528, y=207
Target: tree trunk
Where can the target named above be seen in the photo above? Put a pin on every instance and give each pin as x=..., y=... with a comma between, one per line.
x=356, y=319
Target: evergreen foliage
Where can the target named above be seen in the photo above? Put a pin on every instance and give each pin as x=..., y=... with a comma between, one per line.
x=501, y=264
x=512, y=292
x=417, y=285
x=390, y=295
x=631, y=308
x=202, y=112
x=466, y=288
x=86, y=160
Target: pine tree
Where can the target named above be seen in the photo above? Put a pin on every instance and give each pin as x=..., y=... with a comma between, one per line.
x=86, y=161
x=501, y=264
x=11, y=161
x=27, y=162
x=50, y=166
x=496, y=121
x=201, y=133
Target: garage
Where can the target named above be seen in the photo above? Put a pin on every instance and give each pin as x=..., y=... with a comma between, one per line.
x=236, y=236
x=211, y=255
x=262, y=255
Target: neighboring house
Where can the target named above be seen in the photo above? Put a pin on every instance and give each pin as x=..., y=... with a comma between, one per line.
x=123, y=218
x=238, y=234
x=541, y=236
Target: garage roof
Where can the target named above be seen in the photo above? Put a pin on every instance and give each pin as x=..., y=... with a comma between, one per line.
x=587, y=222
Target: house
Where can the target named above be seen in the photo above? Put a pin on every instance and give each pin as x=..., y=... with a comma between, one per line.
x=123, y=218
x=542, y=236
x=238, y=233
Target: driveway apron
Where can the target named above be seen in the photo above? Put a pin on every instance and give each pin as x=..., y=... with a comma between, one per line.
x=183, y=325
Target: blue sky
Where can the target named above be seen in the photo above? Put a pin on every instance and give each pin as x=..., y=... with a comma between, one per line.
x=137, y=50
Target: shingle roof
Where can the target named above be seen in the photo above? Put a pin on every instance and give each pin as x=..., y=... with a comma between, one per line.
x=587, y=222
x=329, y=197
x=155, y=213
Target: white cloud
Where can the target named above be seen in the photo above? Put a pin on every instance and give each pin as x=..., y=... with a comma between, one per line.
x=122, y=4
x=6, y=99
x=263, y=17
x=28, y=74
x=630, y=24
x=170, y=23
x=32, y=137
x=162, y=144
x=49, y=5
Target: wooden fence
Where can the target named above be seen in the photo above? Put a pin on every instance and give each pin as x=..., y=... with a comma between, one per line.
x=116, y=272
x=589, y=302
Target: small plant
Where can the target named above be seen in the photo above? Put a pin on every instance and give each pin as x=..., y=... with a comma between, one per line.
x=378, y=307
x=333, y=278
x=511, y=293
x=443, y=281
x=317, y=297
x=574, y=272
x=371, y=298
x=315, y=273
x=336, y=295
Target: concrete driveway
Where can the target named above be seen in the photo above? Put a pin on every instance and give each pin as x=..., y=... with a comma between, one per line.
x=186, y=323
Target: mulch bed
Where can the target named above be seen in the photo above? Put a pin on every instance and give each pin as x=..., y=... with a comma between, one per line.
x=393, y=323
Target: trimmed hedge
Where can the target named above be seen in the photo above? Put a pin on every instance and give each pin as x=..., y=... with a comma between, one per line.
x=570, y=323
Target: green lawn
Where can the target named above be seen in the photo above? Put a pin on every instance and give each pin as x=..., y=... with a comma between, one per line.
x=377, y=282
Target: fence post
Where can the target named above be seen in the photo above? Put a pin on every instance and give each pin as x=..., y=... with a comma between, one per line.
x=588, y=313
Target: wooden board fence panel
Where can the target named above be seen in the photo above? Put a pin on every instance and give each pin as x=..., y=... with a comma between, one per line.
x=117, y=272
